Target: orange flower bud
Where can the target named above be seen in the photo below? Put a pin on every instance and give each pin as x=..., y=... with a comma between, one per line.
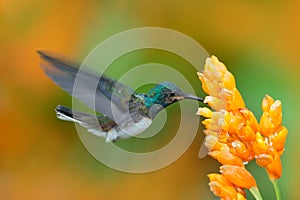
x=237, y=100
x=263, y=160
x=225, y=157
x=213, y=177
x=239, y=176
x=274, y=169
x=224, y=137
x=279, y=138
x=266, y=103
x=245, y=132
x=251, y=120
x=241, y=150
x=275, y=109
x=218, y=146
x=234, y=122
x=259, y=145
x=229, y=82
x=266, y=125
x=238, y=147
x=221, y=187
x=276, y=113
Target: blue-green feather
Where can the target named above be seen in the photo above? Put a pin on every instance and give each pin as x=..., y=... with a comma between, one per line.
x=157, y=94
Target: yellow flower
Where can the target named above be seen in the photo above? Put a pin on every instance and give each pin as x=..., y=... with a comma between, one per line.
x=219, y=83
x=234, y=136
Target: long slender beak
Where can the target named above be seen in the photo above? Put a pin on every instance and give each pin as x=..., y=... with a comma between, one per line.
x=189, y=96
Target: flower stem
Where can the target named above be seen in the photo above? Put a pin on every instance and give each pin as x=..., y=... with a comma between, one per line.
x=255, y=192
x=276, y=188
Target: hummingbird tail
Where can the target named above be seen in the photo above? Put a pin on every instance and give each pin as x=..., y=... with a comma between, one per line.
x=67, y=114
x=98, y=125
x=64, y=113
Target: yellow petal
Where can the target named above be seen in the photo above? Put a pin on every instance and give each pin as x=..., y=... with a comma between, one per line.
x=214, y=103
x=204, y=86
x=210, y=132
x=204, y=111
x=206, y=122
x=210, y=142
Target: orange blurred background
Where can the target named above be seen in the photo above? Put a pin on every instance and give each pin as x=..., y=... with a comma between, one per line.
x=43, y=158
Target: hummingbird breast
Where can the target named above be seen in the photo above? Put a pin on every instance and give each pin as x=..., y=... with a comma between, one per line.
x=127, y=130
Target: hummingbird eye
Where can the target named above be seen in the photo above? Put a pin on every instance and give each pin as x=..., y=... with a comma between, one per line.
x=172, y=94
x=170, y=97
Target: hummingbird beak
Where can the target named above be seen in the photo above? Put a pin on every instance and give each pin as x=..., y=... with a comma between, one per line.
x=189, y=96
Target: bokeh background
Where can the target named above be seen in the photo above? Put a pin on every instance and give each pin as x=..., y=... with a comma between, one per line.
x=43, y=158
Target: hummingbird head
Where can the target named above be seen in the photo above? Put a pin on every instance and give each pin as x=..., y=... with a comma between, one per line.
x=165, y=94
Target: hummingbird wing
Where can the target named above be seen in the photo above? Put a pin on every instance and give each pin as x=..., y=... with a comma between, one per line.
x=102, y=94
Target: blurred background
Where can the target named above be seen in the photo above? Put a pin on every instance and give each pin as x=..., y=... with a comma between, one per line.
x=43, y=158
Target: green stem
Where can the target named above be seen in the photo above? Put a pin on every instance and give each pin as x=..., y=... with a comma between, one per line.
x=255, y=192
x=276, y=188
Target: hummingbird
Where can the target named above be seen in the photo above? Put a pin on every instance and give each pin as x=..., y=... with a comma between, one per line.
x=121, y=112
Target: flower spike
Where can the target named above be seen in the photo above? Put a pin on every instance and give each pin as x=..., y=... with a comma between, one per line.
x=233, y=135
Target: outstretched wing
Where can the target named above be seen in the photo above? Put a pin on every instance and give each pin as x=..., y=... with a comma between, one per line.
x=103, y=94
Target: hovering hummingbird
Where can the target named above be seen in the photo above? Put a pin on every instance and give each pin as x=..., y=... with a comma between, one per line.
x=125, y=113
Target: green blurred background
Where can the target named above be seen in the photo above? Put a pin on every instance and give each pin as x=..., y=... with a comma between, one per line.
x=43, y=158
